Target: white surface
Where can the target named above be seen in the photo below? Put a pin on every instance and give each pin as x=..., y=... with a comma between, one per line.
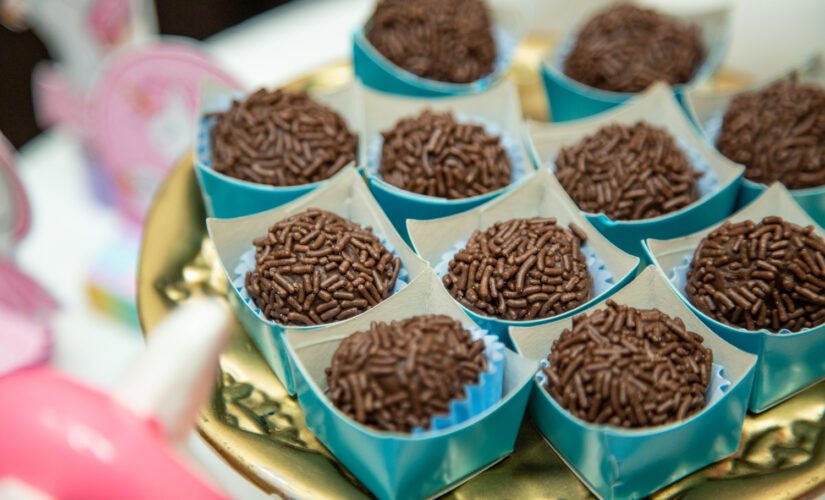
x=69, y=227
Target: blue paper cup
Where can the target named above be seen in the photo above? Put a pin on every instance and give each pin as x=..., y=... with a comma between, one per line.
x=228, y=197
x=407, y=466
x=788, y=363
x=345, y=195
x=707, y=108
x=437, y=240
x=379, y=73
x=572, y=100
x=497, y=109
x=718, y=188
x=622, y=463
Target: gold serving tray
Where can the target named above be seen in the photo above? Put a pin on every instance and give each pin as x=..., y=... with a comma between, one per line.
x=260, y=431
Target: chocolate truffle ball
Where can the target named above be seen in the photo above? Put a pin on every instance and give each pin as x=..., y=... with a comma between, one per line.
x=626, y=48
x=760, y=275
x=629, y=367
x=628, y=172
x=778, y=133
x=397, y=376
x=444, y=40
x=281, y=138
x=316, y=267
x=521, y=269
x=433, y=155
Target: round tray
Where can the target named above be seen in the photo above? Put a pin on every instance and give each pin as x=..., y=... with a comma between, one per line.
x=260, y=431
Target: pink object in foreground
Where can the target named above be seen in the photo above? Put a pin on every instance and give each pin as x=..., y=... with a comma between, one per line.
x=70, y=441
x=23, y=342
x=65, y=440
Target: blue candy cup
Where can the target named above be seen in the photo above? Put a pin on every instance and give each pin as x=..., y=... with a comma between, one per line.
x=571, y=100
x=658, y=107
x=345, y=194
x=535, y=196
x=632, y=463
x=399, y=204
x=788, y=362
x=225, y=197
x=379, y=73
x=408, y=466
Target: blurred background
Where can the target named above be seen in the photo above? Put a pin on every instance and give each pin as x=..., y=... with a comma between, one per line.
x=22, y=49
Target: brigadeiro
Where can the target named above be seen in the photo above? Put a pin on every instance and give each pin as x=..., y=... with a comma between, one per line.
x=521, y=269
x=434, y=155
x=629, y=367
x=316, y=267
x=444, y=40
x=760, y=275
x=397, y=376
x=778, y=134
x=627, y=172
x=281, y=138
x=626, y=48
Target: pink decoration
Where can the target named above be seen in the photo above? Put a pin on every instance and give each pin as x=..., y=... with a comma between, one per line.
x=141, y=116
x=65, y=440
x=23, y=342
x=70, y=441
x=19, y=202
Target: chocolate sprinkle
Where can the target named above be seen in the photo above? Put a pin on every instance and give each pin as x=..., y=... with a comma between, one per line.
x=316, y=267
x=767, y=275
x=627, y=172
x=444, y=40
x=629, y=367
x=521, y=269
x=778, y=133
x=396, y=376
x=281, y=138
x=433, y=155
x=626, y=48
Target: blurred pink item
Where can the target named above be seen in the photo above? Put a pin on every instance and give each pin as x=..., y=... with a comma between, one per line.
x=23, y=342
x=141, y=116
x=17, y=202
x=20, y=293
x=66, y=440
x=108, y=20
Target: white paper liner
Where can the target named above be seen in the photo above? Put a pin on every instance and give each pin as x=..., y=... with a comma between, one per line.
x=717, y=388
x=602, y=278
x=518, y=163
x=247, y=264
x=678, y=277
x=707, y=184
x=477, y=397
x=506, y=44
x=713, y=127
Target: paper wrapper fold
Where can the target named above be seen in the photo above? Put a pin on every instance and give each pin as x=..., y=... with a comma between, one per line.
x=571, y=100
x=510, y=20
x=225, y=196
x=498, y=106
x=536, y=197
x=658, y=107
x=345, y=195
x=707, y=107
x=406, y=466
x=619, y=463
x=788, y=362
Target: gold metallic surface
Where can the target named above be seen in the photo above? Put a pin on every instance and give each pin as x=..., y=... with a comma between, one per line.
x=252, y=422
